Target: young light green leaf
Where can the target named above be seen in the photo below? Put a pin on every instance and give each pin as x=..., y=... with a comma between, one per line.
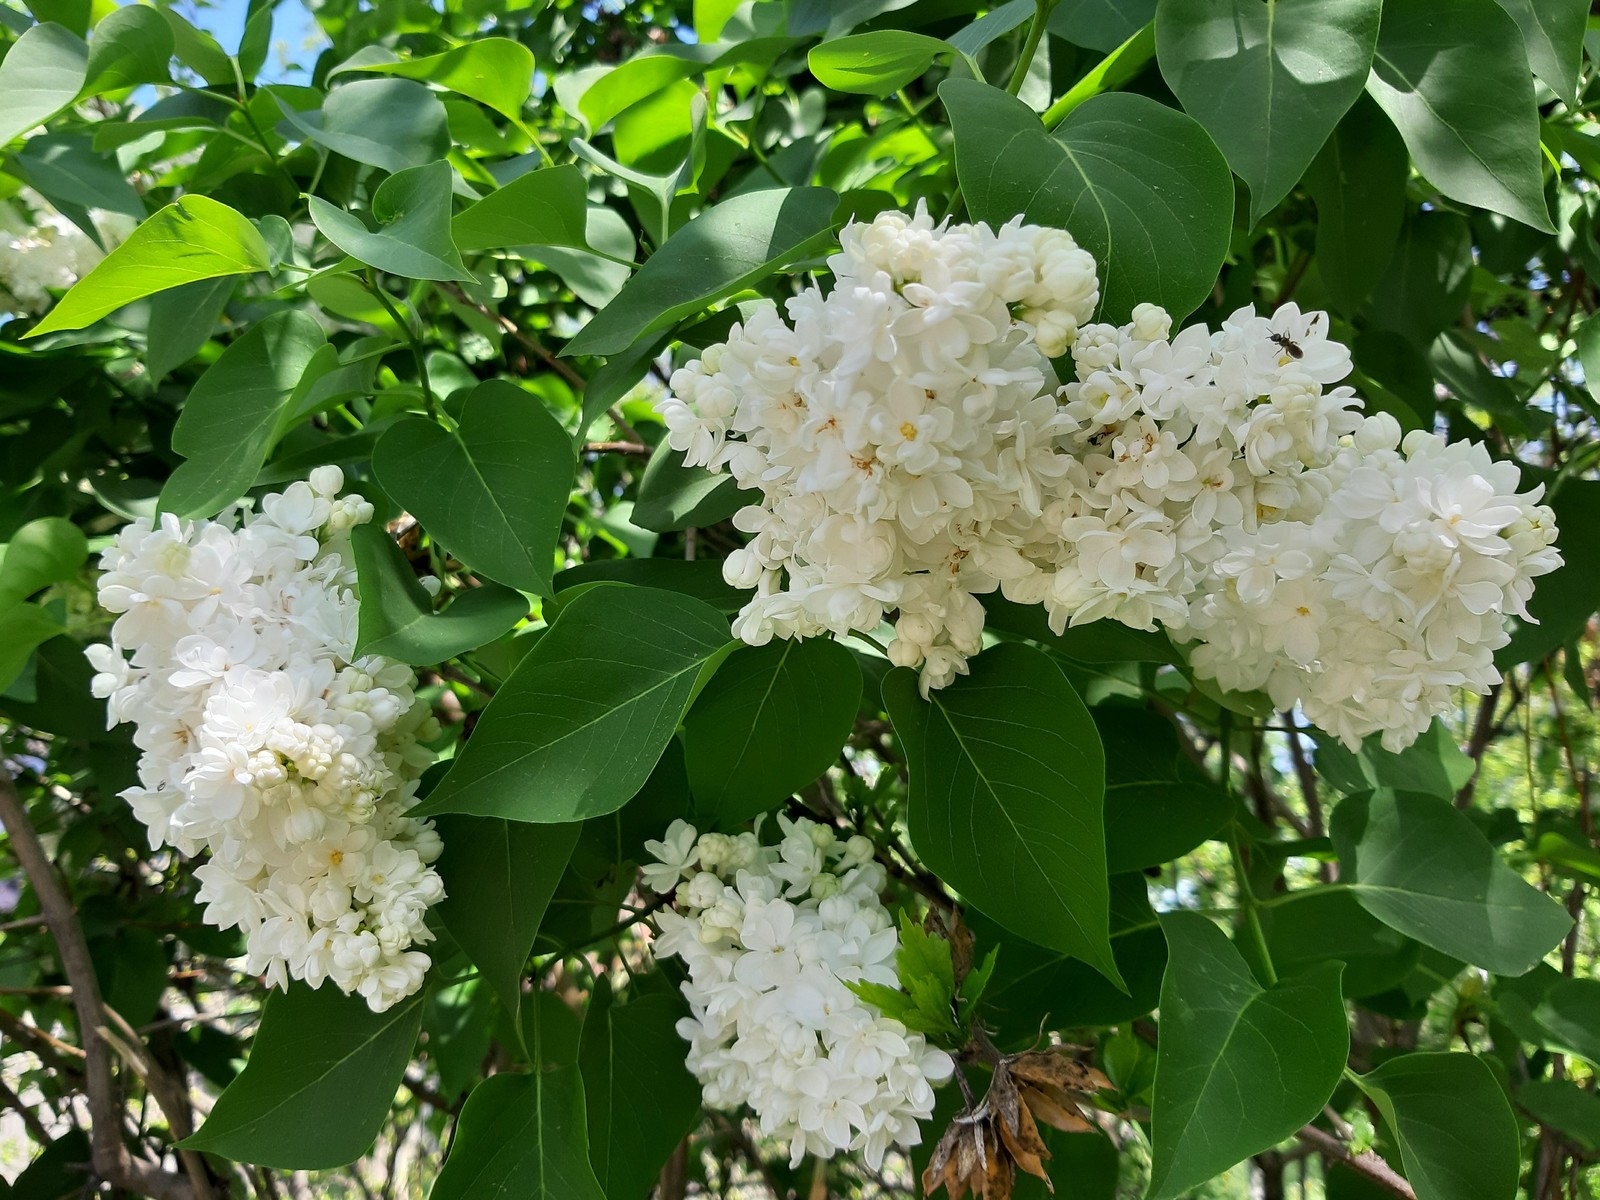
x=1359, y=184
x=1007, y=797
x=576, y=729
x=727, y=247
x=1464, y=105
x=23, y=627
x=771, y=720
x=1457, y=1136
x=412, y=211
x=1420, y=866
x=1239, y=1066
x=874, y=64
x=541, y=208
x=198, y=50
x=994, y=24
x=42, y=552
x=498, y=879
x=41, y=74
x=1268, y=81
x=397, y=617
x=1139, y=184
x=388, y=123
x=521, y=1136
x=494, y=71
x=493, y=489
x=191, y=239
x=322, y=1073
x=226, y=428
x=639, y=1096
x=130, y=46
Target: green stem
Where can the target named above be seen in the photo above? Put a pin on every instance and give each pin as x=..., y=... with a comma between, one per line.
x=1248, y=905
x=1121, y=65
x=1321, y=889
x=1041, y=16
x=411, y=338
x=1247, y=896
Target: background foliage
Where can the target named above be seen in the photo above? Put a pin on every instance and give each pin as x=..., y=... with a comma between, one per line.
x=457, y=252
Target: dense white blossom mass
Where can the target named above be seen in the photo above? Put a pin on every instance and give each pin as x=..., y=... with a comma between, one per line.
x=914, y=450
x=267, y=744
x=770, y=936
x=42, y=252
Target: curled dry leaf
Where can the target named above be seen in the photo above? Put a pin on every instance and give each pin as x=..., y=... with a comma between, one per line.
x=970, y=1158
x=987, y=1144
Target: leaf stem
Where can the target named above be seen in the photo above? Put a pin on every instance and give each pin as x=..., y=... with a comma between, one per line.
x=1247, y=896
x=1041, y=15
x=382, y=296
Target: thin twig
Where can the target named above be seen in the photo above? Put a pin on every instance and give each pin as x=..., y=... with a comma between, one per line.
x=110, y=1156
x=1366, y=1163
x=14, y=1102
x=170, y=1093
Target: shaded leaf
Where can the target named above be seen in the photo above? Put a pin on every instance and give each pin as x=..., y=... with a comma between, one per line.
x=387, y=123
x=322, y=1073
x=493, y=489
x=1239, y=1066
x=675, y=496
x=397, y=617
x=1358, y=181
x=1420, y=866
x=640, y=1098
x=412, y=211
x=1552, y=34
x=1458, y=1139
x=1268, y=81
x=727, y=247
x=577, y=727
x=771, y=720
x=498, y=879
x=1464, y=105
x=1140, y=185
x=227, y=424
x=521, y=1137
x=1007, y=790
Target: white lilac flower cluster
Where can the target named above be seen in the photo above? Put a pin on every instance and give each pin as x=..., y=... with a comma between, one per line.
x=42, y=252
x=1372, y=613
x=914, y=451
x=770, y=936
x=901, y=432
x=267, y=744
